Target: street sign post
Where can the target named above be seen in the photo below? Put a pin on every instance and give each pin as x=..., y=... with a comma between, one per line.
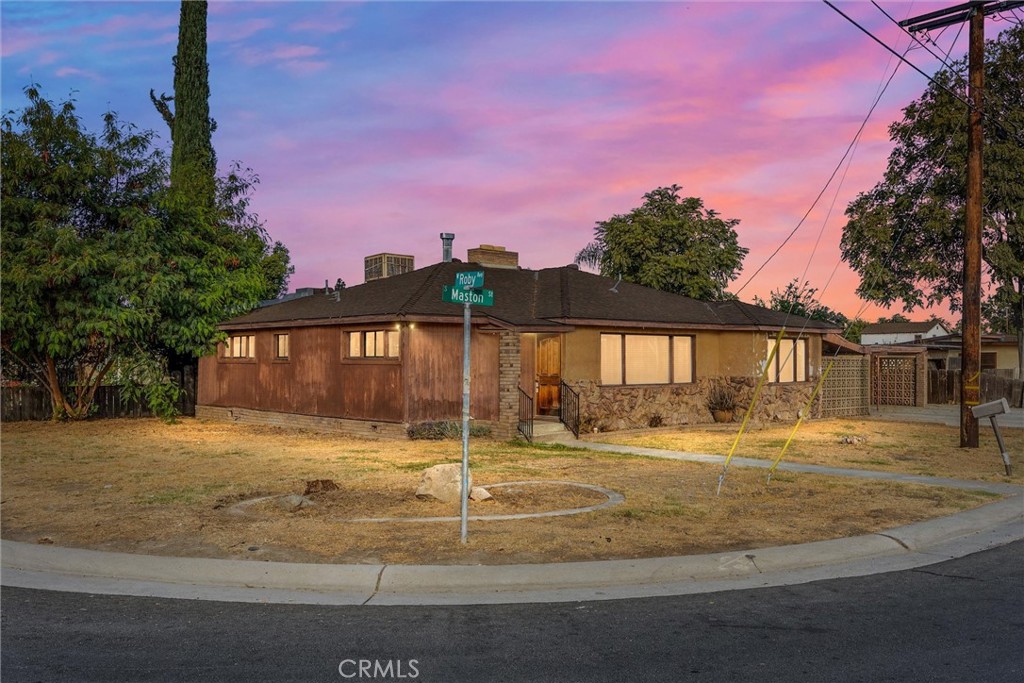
x=468, y=291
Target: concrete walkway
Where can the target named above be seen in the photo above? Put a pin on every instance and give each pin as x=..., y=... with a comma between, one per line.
x=944, y=414
x=66, y=569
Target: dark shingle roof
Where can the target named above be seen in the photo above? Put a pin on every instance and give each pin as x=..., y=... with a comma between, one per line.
x=522, y=298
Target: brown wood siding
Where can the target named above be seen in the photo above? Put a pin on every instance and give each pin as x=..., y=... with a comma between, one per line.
x=315, y=380
x=434, y=373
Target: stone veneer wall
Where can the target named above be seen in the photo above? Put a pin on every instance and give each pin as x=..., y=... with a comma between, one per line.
x=634, y=407
x=507, y=424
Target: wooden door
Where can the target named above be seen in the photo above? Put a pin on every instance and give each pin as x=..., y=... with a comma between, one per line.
x=549, y=377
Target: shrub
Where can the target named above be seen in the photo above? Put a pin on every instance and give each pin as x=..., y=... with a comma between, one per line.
x=721, y=397
x=444, y=429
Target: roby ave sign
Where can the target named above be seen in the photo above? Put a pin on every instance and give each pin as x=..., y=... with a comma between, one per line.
x=473, y=279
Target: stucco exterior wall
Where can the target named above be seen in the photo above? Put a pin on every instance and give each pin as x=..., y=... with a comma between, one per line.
x=718, y=353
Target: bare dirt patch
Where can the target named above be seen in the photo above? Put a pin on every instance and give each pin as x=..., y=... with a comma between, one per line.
x=143, y=486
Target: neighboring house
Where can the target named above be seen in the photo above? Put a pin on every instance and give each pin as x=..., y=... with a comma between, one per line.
x=998, y=353
x=901, y=333
x=377, y=357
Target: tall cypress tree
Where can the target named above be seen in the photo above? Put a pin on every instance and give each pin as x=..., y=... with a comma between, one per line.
x=193, y=162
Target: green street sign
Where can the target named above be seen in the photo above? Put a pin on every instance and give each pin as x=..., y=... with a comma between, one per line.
x=474, y=297
x=471, y=280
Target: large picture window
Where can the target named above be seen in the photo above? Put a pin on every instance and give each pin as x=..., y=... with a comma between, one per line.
x=373, y=344
x=240, y=346
x=790, y=362
x=646, y=359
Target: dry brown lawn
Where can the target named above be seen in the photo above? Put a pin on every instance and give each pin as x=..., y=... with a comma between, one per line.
x=914, y=448
x=148, y=487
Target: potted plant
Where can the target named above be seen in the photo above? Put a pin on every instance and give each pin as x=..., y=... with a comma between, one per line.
x=722, y=402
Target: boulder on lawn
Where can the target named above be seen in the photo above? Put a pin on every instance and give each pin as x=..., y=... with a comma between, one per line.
x=294, y=502
x=480, y=494
x=443, y=482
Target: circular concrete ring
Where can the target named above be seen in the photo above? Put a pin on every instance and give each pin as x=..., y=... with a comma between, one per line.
x=613, y=498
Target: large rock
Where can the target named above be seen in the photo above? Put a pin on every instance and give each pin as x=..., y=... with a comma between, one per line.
x=443, y=482
x=294, y=502
x=480, y=494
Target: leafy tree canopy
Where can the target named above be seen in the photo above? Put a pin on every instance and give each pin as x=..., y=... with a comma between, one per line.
x=904, y=236
x=800, y=300
x=103, y=268
x=669, y=243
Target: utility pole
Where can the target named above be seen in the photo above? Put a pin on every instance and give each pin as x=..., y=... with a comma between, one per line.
x=970, y=333
x=970, y=349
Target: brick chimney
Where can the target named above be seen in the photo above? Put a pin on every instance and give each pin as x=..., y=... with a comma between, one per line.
x=496, y=257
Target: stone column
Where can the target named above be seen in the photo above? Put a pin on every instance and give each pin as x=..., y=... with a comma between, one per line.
x=508, y=385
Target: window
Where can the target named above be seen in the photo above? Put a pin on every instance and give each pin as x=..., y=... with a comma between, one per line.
x=646, y=359
x=240, y=346
x=373, y=344
x=988, y=361
x=281, y=346
x=790, y=361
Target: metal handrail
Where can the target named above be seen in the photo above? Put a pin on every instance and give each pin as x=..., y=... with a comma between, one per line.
x=525, y=415
x=569, y=411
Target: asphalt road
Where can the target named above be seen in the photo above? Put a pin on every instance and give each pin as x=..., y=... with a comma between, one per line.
x=961, y=620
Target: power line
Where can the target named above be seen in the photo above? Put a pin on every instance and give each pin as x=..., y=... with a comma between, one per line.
x=915, y=38
x=849, y=148
x=995, y=121
x=901, y=57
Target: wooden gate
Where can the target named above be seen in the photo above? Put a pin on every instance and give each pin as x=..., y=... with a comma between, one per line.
x=895, y=381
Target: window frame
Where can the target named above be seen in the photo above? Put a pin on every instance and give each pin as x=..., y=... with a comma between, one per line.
x=286, y=337
x=671, y=368
x=246, y=345
x=783, y=362
x=390, y=340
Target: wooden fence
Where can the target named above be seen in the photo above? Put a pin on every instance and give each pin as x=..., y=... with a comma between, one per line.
x=944, y=386
x=33, y=403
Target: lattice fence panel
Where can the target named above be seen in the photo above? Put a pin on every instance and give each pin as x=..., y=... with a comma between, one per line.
x=896, y=381
x=846, y=389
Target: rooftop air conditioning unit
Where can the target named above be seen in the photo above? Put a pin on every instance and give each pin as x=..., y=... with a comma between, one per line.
x=385, y=265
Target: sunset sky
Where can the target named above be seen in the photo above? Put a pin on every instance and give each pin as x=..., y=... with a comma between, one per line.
x=375, y=126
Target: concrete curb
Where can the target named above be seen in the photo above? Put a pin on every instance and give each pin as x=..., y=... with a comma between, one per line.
x=35, y=566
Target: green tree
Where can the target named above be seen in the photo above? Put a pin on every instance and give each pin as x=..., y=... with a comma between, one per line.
x=800, y=300
x=105, y=270
x=854, y=329
x=669, y=243
x=904, y=236
x=193, y=160
x=894, y=318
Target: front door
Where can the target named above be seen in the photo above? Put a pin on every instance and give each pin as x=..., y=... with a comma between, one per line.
x=549, y=377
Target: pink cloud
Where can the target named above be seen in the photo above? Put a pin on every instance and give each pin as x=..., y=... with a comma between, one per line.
x=292, y=58
x=321, y=26
x=71, y=71
x=228, y=32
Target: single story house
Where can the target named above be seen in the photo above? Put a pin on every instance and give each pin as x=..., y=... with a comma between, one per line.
x=378, y=357
x=900, y=333
x=999, y=352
